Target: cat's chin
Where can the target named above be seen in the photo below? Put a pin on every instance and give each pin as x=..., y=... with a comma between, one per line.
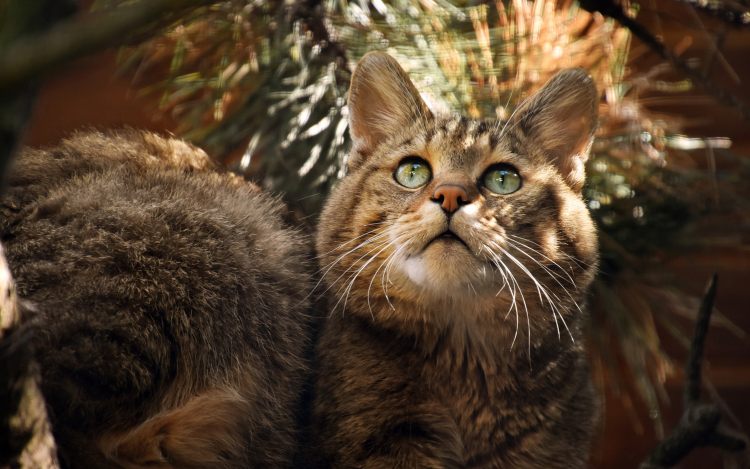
x=447, y=268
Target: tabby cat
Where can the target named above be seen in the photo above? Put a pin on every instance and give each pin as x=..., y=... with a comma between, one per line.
x=457, y=254
x=172, y=303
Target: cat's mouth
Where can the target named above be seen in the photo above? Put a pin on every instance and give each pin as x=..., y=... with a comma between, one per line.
x=448, y=237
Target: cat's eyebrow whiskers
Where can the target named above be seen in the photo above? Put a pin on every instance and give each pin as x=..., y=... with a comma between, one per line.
x=515, y=82
x=518, y=108
x=421, y=118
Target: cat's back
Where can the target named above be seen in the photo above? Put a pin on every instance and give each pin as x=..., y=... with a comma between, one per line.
x=172, y=300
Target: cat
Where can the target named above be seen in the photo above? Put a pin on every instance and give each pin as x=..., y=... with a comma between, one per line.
x=456, y=254
x=172, y=299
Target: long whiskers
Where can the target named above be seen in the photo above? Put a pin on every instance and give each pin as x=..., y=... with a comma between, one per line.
x=507, y=277
x=550, y=272
x=541, y=290
x=349, y=283
x=387, y=274
x=353, y=239
x=578, y=262
x=331, y=264
x=385, y=262
x=353, y=276
x=513, y=243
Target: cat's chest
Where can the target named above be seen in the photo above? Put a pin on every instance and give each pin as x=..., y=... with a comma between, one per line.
x=502, y=412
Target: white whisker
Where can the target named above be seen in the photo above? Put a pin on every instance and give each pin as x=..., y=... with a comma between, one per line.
x=354, y=275
x=506, y=273
x=570, y=279
x=546, y=269
x=374, y=276
x=512, y=90
x=331, y=264
x=542, y=290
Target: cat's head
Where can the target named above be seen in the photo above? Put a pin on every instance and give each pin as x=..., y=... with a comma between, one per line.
x=451, y=213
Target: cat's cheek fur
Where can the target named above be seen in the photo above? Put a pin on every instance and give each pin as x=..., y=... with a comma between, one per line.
x=577, y=224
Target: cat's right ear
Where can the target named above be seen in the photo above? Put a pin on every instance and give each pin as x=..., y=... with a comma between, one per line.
x=382, y=101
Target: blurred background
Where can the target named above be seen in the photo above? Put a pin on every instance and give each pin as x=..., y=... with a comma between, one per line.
x=262, y=87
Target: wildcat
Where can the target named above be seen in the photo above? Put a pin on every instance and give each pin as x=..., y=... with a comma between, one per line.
x=172, y=303
x=457, y=254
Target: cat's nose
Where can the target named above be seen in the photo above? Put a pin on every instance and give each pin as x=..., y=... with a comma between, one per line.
x=450, y=197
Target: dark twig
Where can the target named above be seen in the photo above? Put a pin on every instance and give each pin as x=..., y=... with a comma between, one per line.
x=699, y=423
x=614, y=11
x=695, y=355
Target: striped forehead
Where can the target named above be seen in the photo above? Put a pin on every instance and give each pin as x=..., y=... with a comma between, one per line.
x=459, y=141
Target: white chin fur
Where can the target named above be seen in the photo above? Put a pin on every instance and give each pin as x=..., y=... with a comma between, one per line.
x=416, y=270
x=445, y=281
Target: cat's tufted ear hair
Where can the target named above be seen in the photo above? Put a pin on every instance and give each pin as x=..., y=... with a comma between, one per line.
x=382, y=101
x=561, y=119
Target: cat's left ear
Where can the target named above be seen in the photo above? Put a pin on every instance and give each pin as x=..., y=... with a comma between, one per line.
x=561, y=120
x=382, y=102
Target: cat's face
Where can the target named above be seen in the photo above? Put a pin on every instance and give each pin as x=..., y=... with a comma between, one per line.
x=449, y=212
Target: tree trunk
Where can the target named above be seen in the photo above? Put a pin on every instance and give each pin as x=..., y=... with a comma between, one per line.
x=25, y=433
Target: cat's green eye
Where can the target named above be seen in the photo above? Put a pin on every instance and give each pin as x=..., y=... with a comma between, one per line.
x=413, y=173
x=502, y=179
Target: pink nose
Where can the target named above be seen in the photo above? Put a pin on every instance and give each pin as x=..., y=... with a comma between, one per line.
x=452, y=195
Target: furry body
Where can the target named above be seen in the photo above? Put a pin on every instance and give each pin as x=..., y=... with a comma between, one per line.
x=454, y=338
x=172, y=300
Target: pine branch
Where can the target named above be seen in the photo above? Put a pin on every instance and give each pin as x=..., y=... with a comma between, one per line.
x=699, y=423
x=31, y=56
x=610, y=9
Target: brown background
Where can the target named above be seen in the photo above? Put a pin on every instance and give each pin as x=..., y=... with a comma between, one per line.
x=89, y=93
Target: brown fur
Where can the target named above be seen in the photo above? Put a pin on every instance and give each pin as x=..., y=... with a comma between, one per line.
x=440, y=353
x=172, y=299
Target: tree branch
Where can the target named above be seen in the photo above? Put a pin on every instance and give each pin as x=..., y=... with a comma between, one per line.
x=699, y=423
x=614, y=11
x=25, y=433
x=695, y=355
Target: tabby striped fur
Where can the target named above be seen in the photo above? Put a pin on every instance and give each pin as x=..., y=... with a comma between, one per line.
x=468, y=352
